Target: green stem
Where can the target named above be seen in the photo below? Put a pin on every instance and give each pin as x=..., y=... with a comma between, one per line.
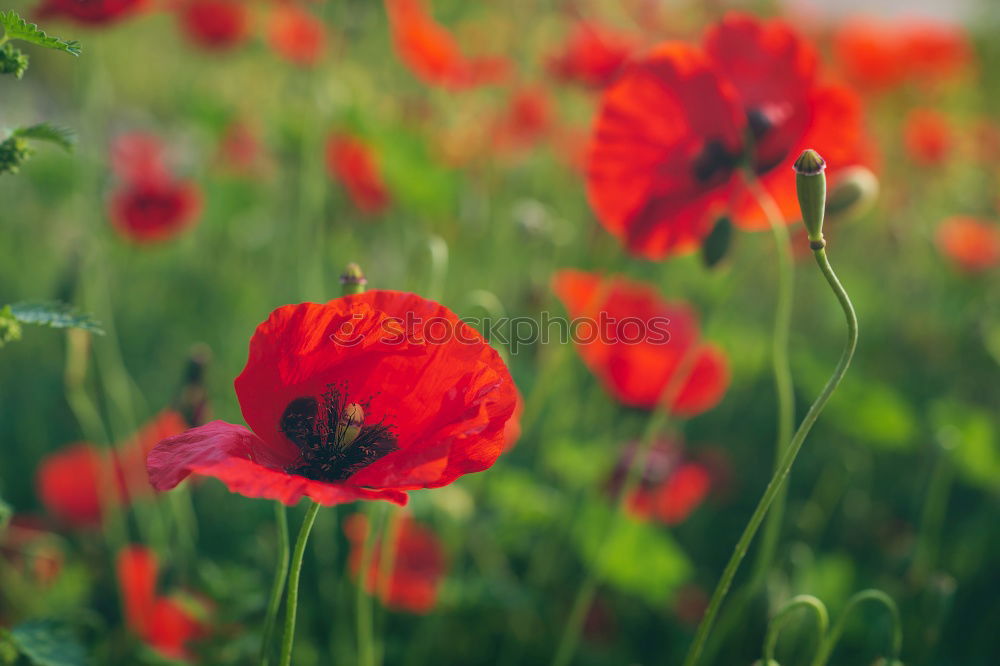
x=292, y=602
x=781, y=617
x=585, y=593
x=366, y=641
x=278, y=586
x=933, y=513
x=878, y=596
x=785, y=463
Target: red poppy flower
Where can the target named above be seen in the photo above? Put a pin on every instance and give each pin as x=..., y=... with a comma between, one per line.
x=352, y=162
x=934, y=51
x=418, y=565
x=880, y=56
x=296, y=35
x=431, y=52
x=68, y=483
x=215, y=24
x=365, y=397
x=670, y=134
x=151, y=211
x=669, y=487
x=927, y=136
x=592, y=56
x=163, y=623
x=974, y=245
x=636, y=343
x=94, y=12
x=525, y=121
x=138, y=156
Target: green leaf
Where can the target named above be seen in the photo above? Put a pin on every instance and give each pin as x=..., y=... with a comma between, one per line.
x=61, y=136
x=16, y=27
x=48, y=643
x=970, y=436
x=55, y=315
x=10, y=327
x=637, y=557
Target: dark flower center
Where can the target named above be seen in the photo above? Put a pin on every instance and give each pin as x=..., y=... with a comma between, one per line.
x=714, y=163
x=333, y=440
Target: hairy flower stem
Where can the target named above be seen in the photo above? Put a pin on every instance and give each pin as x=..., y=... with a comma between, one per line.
x=292, y=595
x=784, y=392
x=785, y=463
x=278, y=586
x=363, y=601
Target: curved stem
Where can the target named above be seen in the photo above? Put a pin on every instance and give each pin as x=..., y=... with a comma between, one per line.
x=784, y=464
x=781, y=617
x=278, y=586
x=292, y=602
x=826, y=648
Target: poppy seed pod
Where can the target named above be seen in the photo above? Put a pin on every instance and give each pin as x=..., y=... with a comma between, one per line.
x=852, y=193
x=810, y=185
x=352, y=280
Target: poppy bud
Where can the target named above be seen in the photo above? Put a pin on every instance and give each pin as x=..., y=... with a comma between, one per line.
x=716, y=245
x=810, y=184
x=852, y=193
x=352, y=280
x=13, y=153
x=10, y=327
x=13, y=61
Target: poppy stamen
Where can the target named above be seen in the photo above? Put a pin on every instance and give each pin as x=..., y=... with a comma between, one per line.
x=332, y=437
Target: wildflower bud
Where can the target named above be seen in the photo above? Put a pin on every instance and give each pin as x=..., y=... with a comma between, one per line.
x=13, y=61
x=192, y=401
x=810, y=183
x=352, y=280
x=852, y=193
x=13, y=153
x=716, y=245
x=10, y=328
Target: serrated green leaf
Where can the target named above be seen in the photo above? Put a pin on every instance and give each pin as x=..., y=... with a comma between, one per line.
x=48, y=643
x=61, y=136
x=55, y=315
x=16, y=27
x=13, y=61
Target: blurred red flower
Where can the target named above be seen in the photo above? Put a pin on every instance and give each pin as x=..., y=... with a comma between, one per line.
x=636, y=343
x=881, y=55
x=215, y=24
x=240, y=148
x=418, y=564
x=165, y=624
x=365, y=397
x=525, y=121
x=150, y=211
x=973, y=244
x=94, y=12
x=430, y=51
x=70, y=481
x=927, y=136
x=352, y=163
x=34, y=554
x=139, y=156
x=670, y=134
x=296, y=35
x=669, y=487
x=592, y=55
